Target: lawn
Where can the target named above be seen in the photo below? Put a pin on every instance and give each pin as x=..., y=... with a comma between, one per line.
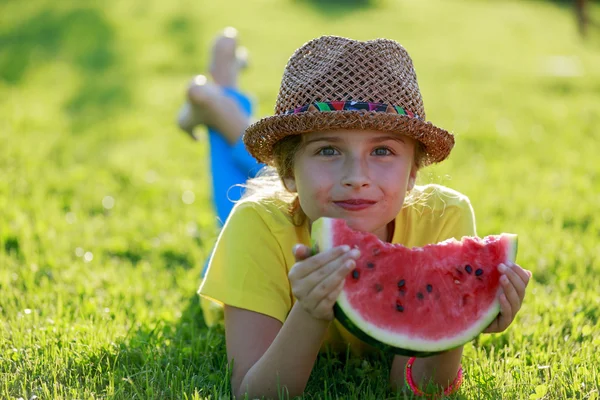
x=105, y=215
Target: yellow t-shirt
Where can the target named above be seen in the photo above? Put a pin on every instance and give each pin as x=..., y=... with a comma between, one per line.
x=253, y=254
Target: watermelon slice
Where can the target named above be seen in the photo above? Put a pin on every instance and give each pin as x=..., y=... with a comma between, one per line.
x=419, y=301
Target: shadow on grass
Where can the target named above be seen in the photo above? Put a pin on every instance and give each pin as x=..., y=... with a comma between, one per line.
x=339, y=7
x=169, y=361
x=82, y=37
x=85, y=41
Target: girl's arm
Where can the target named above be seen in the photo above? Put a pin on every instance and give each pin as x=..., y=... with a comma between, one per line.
x=440, y=369
x=268, y=355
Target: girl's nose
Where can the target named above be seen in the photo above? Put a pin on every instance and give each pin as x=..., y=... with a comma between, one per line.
x=356, y=173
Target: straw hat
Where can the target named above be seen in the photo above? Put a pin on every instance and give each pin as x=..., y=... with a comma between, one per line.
x=338, y=83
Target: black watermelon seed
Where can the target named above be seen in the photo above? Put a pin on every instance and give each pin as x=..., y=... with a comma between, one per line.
x=420, y=296
x=401, y=283
x=478, y=272
x=399, y=308
x=469, y=269
x=355, y=274
x=370, y=265
x=429, y=288
x=378, y=287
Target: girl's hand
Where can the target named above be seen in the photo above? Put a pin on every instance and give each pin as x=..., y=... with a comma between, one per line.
x=514, y=280
x=318, y=280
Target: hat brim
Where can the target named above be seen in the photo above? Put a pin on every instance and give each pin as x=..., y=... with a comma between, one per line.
x=261, y=136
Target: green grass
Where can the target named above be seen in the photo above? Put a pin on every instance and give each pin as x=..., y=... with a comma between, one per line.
x=100, y=257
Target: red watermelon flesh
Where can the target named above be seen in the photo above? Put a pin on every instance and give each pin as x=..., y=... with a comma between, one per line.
x=421, y=300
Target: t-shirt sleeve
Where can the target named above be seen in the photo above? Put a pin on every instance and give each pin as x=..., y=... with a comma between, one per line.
x=247, y=268
x=459, y=221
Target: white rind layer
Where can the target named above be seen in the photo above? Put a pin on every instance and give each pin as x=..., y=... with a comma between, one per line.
x=322, y=236
x=400, y=340
x=512, y=249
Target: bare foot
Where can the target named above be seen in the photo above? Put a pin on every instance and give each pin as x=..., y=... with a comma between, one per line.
x=208, y=105
x=203, y=97
x=227, y=58
x=192, y=115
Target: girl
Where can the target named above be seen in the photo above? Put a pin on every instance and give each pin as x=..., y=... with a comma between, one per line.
x=347, y=140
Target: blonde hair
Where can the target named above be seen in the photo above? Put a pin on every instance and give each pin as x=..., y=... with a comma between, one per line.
x=269, y=183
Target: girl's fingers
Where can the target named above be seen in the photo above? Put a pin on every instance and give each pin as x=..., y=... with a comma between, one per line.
x=301, y=252
x=303, y=287
x=336, y=293
x=319, y=275
x=325, y=287
x=306, y=267
x=325, y=306
x=524, y=274
x=510, y=292
x=515, y=281
x=506, y=314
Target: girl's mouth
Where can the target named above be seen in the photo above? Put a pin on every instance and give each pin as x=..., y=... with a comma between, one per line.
x=354, y=204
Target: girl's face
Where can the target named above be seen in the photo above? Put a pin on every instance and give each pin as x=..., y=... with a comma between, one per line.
x=361, y=176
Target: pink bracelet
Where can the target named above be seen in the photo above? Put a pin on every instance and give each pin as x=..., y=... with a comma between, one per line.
x=418, y=392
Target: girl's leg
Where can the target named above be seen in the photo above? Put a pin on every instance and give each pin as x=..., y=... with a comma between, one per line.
x=214, y=104
x=209, y=104
x=227, y=58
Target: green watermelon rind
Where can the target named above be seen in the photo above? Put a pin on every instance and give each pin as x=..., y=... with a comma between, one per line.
x=395, y=342
x=347, y=323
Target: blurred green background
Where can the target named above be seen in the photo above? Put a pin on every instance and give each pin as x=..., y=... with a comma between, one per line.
x=105, y=213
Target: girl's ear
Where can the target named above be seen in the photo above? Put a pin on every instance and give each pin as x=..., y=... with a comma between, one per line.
x=412, y=178
x=290, y=184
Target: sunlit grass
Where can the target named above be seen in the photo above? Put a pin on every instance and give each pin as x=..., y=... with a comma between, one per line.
x=100, y=254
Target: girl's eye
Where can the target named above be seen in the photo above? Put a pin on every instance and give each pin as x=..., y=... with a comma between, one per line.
x=382, y=151
x=327, y=151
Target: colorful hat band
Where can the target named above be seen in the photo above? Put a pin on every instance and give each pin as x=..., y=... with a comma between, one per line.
x=327, y=106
